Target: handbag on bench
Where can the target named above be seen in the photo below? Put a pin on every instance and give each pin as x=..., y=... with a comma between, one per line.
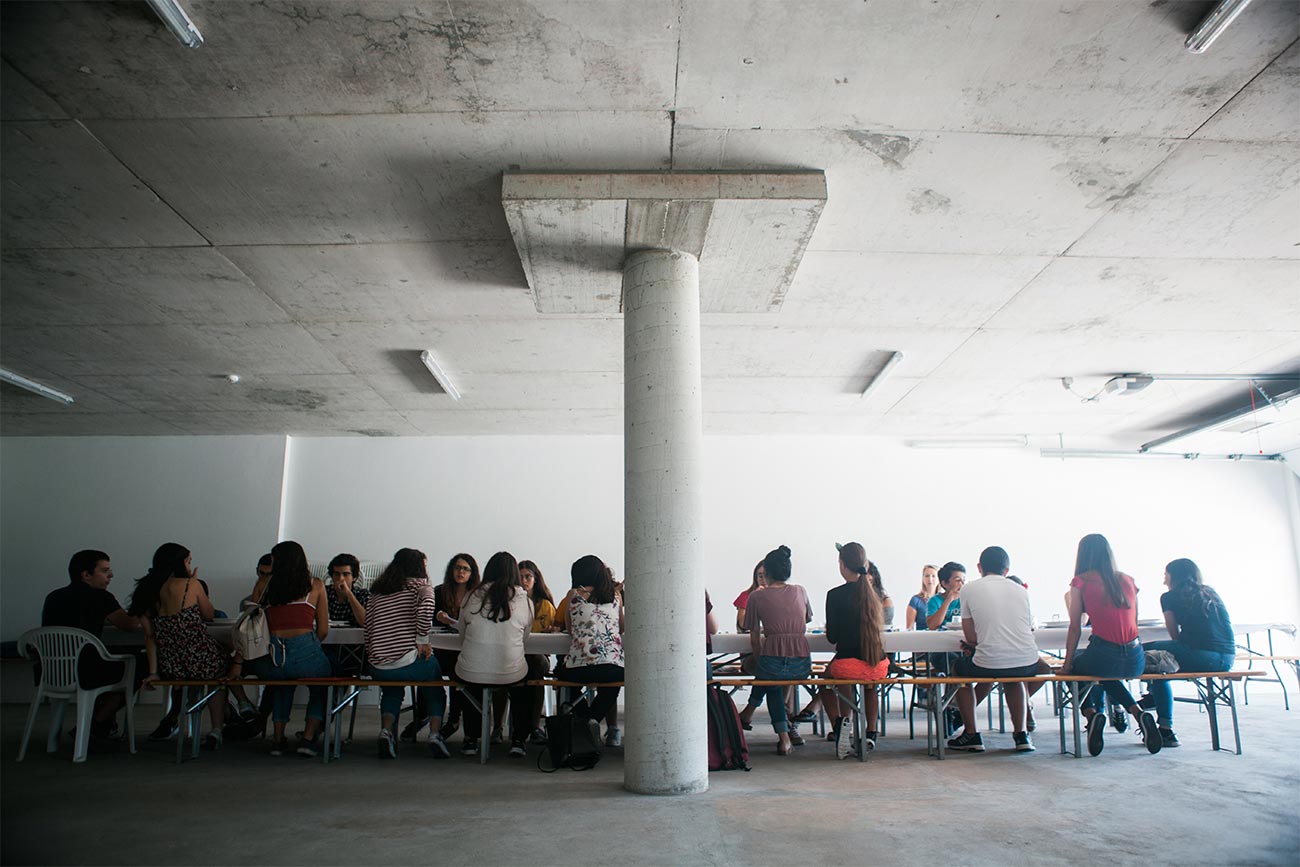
x=571, y=741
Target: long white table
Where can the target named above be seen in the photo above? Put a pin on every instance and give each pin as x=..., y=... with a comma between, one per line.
x=1048, y=637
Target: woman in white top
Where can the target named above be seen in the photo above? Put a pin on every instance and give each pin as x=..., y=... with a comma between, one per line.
x=594, y=618
x=494, y=621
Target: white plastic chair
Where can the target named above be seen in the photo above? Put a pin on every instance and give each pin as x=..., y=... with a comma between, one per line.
x=58, y=648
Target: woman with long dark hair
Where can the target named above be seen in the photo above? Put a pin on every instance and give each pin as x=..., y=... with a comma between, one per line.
x=297, y=616
x=777, y=619
x=594, y=621
x=855, y=623
x=1109, y=598
x=878, y=584
x=398, y=619
x=495, y=618
x=1200, y=633
x=459, y=579
x=174, y=607
x=539, y=664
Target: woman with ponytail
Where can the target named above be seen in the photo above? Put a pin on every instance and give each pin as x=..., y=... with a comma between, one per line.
x=855, y=622
x=1201, y=637
x=1109, y=598
x=174, y=608
x=777, y=619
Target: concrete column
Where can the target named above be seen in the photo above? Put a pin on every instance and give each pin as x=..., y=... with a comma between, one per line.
x=666, y=752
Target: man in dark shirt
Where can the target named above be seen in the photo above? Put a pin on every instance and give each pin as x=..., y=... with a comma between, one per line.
x=85, y=603
x=347, y=602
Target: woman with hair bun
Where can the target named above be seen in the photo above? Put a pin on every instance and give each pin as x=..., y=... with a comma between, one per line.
x=777, y=619
x=1201, y=637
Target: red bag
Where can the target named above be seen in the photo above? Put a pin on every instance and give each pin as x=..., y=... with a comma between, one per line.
x=727, y=748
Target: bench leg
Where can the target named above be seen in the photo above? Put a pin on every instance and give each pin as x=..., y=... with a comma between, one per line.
x=1080, y=693
x=1232, y=703
x=485, y=736
x=860, y=718
x=182, y=724
x=1211, y=710
x=1058, y=703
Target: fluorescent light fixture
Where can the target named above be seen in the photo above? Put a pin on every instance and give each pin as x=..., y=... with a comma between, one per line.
x=890, y=364
x=1213, y=25
x=1275, y=403
x=34, y=387
x=1122, y=455
x=439, y=374
x=1009, y=442
x=178, y=22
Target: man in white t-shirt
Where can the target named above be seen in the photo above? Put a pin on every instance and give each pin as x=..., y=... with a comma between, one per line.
x=997, y=621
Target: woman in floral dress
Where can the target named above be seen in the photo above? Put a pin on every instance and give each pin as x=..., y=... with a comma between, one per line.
x=175, y=609
x=594, y=619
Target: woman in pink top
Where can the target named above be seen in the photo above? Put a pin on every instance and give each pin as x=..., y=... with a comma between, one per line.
x=742, y=601
x=1109, y=598
x=776, y=620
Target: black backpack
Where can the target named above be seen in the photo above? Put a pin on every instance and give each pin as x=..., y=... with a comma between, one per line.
x=572, y=742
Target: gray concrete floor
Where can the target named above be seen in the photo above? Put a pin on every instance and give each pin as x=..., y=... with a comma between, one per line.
x=241, y=806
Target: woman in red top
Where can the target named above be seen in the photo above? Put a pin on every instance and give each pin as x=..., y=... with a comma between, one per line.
x=1109, y=598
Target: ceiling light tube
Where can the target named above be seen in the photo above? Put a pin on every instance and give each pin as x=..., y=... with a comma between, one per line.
x=1218, y=422
x=178, y=22
x=439, y=374
x=890, y=364
x=34, y=387
x=1213, y=25
x=1009, y=442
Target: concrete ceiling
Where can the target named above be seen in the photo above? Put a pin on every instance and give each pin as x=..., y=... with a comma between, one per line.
x=1017, y=192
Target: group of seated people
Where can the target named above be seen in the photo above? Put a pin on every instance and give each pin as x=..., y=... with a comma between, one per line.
x=494, y=612
x=997, y=628
x=398, y=613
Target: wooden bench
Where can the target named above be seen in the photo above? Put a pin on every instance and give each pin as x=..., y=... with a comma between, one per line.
x=1214, y=690
x=332, y=733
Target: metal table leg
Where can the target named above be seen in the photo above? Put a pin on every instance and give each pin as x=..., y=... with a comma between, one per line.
x=181, y=725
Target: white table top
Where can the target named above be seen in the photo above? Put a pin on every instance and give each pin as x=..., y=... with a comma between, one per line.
x=1049, y=637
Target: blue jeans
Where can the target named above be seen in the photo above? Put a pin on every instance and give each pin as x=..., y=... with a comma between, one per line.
x=1189, y=659
x=300, y=656
x=778, y=668
x=429, y=700
x=1106, y=658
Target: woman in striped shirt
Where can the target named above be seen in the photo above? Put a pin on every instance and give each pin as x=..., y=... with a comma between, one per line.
x=399, y=617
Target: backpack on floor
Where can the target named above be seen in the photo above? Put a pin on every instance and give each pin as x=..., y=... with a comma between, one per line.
x=572, y=742
x=727, y=748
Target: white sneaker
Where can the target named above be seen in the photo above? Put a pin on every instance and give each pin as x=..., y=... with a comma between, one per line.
x=844, y=743
x=613, y=737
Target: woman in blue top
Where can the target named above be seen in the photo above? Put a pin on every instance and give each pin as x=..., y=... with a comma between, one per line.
x=918, y=605
x=1201, y=637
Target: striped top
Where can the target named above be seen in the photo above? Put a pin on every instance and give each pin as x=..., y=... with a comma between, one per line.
x=396, y=621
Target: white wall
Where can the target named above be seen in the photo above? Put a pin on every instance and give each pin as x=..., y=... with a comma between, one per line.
x=218, y=496
x=553, y=499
